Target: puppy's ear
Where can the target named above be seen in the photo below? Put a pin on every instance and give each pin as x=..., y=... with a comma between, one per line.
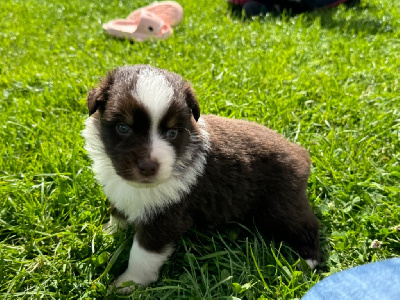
x=98, y=97
x=191, y=100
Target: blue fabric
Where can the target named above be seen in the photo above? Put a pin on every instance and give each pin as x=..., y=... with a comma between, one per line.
x=374, y=281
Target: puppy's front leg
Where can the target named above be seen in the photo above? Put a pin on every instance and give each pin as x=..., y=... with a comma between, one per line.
x=143, y=266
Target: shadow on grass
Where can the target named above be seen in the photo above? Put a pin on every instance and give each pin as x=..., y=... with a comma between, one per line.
x=354, y=25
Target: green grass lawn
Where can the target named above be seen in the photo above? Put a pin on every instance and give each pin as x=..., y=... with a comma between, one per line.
x=328, y=80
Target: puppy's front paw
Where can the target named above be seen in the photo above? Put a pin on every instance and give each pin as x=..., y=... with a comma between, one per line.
x=113, y=226
x=123, y=285
x=110, y=228
x=125, y=290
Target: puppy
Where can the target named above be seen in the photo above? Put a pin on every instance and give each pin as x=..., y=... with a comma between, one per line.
x=164, y=168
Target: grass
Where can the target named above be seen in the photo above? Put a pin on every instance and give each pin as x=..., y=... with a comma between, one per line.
x=328, y=80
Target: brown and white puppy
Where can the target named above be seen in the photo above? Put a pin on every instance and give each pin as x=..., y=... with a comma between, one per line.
x=164, y=168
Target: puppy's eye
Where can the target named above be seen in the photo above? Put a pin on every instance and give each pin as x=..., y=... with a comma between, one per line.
x=172, y=134
x=123, y=129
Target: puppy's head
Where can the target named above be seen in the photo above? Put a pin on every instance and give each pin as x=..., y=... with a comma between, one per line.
x=145, y=119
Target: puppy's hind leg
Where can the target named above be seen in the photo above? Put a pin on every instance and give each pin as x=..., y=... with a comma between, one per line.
x=298, y=226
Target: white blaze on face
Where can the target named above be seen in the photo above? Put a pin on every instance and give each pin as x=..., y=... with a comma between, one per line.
x=155, y=93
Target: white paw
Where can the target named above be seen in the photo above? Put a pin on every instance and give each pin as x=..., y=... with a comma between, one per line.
x=110, y=228
x=125, y=290
x=123, y=285
x=142, y=268
x=113, y=226
x=313, y=263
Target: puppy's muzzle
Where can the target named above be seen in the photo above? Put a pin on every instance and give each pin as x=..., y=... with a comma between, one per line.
x=148, y=167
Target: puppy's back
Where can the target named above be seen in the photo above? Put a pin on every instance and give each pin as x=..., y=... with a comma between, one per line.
x=250, y=169
x=251, y=143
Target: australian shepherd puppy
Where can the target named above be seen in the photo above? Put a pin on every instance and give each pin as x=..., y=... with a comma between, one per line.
x=164, y=168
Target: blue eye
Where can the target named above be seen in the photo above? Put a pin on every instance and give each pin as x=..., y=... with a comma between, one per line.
x=171, y=134
x=123, y=129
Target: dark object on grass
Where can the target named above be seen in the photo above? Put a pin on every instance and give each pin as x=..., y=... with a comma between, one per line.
x=253, y=8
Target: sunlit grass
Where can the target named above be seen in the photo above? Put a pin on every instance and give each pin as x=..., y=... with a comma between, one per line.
x=328, y=80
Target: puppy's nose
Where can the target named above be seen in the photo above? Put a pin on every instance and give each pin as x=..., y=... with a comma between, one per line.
x=148, y=167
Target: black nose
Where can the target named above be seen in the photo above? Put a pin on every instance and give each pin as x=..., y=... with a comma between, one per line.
x=148, y=167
